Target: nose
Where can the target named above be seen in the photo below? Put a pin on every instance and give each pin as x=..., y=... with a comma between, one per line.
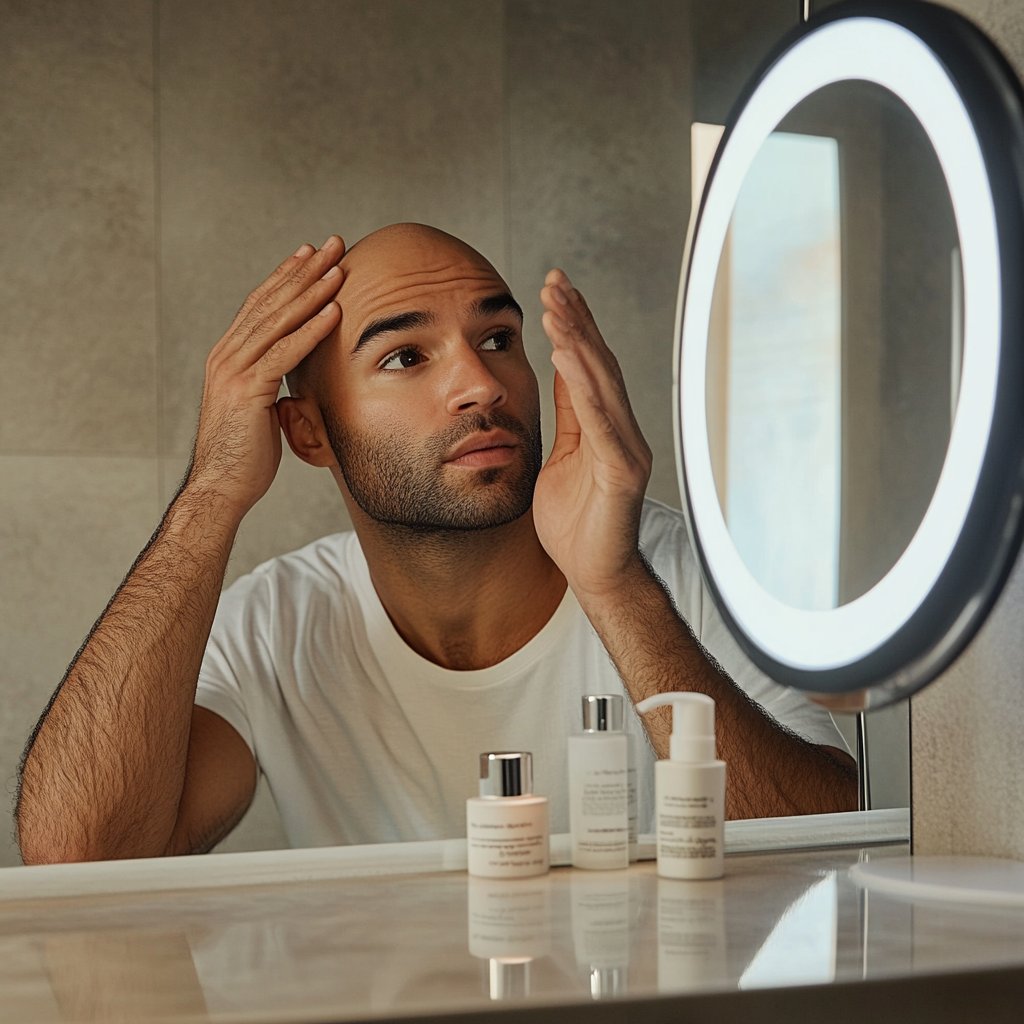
x=472, y=385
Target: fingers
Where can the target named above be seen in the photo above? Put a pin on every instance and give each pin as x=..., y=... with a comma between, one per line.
x=567, y=425
x=577, y=342
x=289, y=280
x=588, y=379
x=287, y=352
x=264, y=332
x=287, y=315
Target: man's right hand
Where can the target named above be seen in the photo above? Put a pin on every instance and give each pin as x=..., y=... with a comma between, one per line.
x=122, y=763
x=238, y=443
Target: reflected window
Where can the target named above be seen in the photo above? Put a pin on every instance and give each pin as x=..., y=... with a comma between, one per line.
x=774, y=373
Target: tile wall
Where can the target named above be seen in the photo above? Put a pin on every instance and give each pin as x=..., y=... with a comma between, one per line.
x=159, y=158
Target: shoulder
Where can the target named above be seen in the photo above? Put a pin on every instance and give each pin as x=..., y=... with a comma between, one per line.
x=329, y=564
x=664, y=533
x=655, y=517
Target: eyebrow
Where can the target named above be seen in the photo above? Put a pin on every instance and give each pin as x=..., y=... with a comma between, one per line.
x=389, y=324
x=490, y=306
x=495, y=304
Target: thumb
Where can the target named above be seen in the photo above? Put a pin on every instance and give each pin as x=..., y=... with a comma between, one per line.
x=567, y=426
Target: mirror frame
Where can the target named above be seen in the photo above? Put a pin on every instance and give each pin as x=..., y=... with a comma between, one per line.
x=913, y=623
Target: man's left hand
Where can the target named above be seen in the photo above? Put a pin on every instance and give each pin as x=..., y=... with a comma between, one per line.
x=589, y=494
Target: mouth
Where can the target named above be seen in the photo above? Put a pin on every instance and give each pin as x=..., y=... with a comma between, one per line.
x=482, y=450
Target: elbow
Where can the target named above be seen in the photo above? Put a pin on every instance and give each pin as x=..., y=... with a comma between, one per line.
x=39, y=847
x=36, y=851
x=41, y=843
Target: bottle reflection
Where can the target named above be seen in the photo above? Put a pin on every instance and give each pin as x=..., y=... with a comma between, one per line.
x=691, y=934
x=509, y=926
x=600, y=931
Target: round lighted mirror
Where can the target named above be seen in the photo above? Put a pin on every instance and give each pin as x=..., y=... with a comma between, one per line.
x=849, y=379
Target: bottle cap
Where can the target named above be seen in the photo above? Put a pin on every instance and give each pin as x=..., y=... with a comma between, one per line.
x=509, y=978
x=602, y=712
x=693, y=725
x=508, y=773
x=607, y=981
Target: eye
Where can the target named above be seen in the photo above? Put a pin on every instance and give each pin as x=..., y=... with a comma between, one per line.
x=499, y=341
x=403, y=359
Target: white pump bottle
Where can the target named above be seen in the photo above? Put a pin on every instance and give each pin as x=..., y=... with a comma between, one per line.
x=689, y=790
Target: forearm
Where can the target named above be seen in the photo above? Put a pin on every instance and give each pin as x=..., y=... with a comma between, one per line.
x=104, y=773
x=771, y=771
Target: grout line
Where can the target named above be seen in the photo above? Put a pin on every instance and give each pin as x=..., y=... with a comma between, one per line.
x=161, y=425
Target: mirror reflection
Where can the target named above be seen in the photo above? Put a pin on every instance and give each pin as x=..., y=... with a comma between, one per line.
x=164, y=224
x=834, y=348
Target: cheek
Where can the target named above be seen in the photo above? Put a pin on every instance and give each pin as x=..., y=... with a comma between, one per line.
x=524, y=386
x=379, y=424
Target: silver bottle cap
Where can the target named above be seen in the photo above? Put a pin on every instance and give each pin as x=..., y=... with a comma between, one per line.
x=508, y=773
x=509, y=980
x=602, y=713
x=607, y=981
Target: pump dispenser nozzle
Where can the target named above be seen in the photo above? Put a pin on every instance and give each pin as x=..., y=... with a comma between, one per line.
x=693, y=725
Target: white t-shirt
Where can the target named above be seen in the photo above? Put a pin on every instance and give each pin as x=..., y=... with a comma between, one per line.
x=362, y=740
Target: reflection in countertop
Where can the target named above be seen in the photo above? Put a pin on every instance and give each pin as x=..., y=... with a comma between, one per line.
x=442, y=942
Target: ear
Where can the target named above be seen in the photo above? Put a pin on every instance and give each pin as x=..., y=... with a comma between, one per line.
x=303, y=425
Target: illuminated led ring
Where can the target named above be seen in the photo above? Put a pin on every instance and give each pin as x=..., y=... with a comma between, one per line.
x=891, y=56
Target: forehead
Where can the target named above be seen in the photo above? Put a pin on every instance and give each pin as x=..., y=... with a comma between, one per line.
x=441, y=280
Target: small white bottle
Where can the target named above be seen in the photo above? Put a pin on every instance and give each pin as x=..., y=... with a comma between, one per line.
x=506, y=825
x=689, y=790
x=599, y=786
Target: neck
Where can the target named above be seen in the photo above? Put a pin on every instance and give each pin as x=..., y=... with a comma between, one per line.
x=463, y=599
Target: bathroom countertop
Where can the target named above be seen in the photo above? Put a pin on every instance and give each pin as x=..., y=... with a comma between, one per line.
x=784, y=934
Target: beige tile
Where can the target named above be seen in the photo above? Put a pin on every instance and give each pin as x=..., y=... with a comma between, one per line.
x=77, y=208
x=599, y=120
x=70, y=529
x=966, y=750
x=281, y=123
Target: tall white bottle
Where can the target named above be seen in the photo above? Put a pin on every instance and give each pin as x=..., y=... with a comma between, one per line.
x=689, y=790
x=599, y=786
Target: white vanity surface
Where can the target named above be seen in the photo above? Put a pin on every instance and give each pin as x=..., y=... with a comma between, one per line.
x=333, y=935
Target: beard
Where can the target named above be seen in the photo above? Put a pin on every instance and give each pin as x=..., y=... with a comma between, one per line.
x=398, y=483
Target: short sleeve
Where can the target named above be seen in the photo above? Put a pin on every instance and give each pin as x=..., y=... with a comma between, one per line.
x=233, y=656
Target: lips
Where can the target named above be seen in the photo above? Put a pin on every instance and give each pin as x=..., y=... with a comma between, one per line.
x=477, y=446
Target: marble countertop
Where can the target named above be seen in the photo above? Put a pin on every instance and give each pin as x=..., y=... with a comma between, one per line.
x=438, y=942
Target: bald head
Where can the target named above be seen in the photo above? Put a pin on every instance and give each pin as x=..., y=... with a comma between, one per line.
x=391, y=277
x=409, y=245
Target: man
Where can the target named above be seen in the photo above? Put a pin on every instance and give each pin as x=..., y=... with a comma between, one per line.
x=364, y=674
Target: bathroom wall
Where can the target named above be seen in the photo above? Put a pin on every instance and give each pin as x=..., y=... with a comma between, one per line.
x=158, y=159
x=967, y=750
